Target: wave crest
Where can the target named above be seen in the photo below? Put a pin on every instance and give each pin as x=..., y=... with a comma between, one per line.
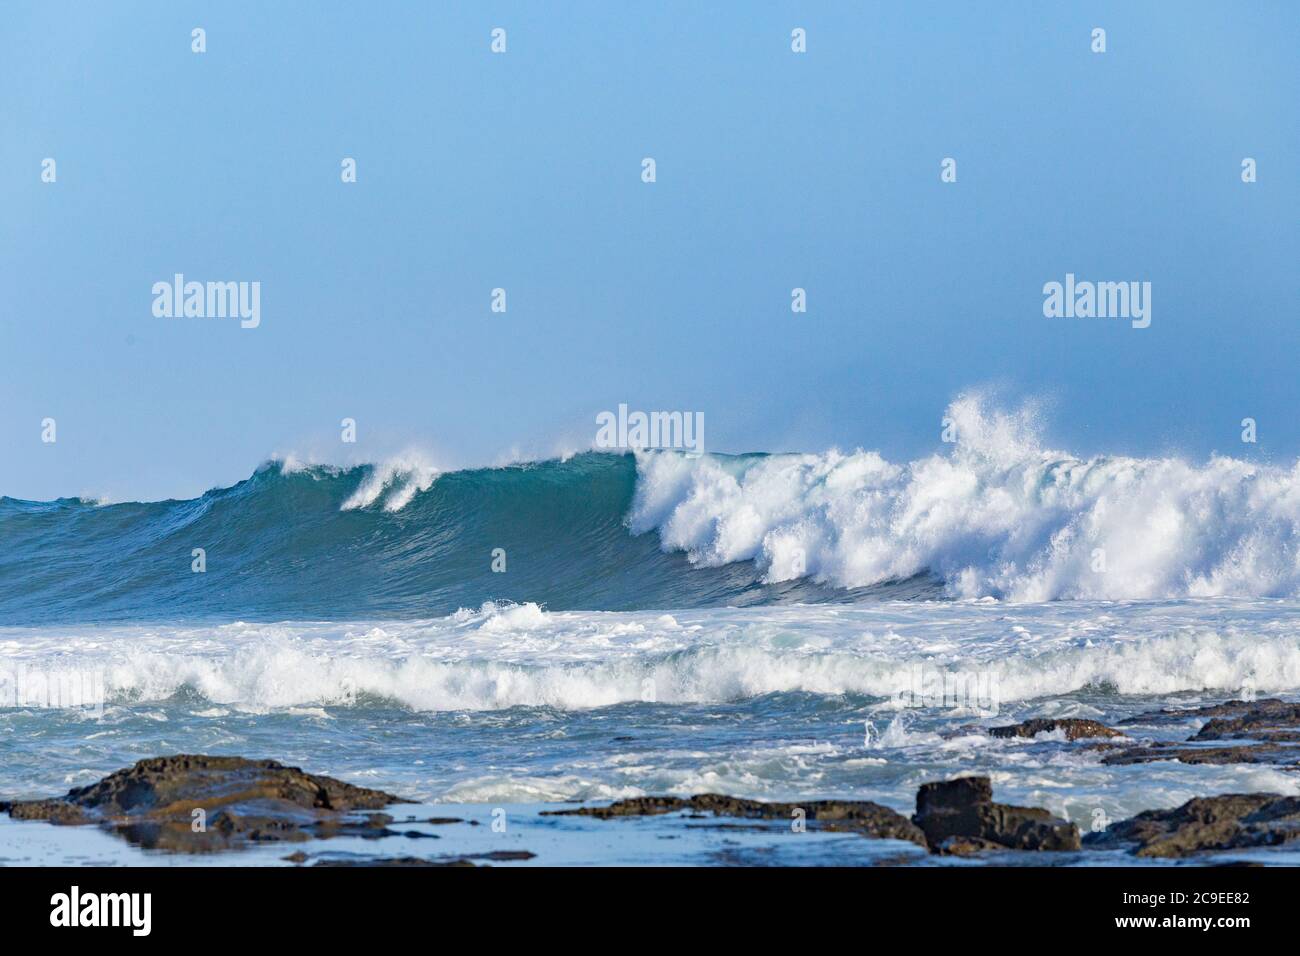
x=397, y=480
x=998, y=515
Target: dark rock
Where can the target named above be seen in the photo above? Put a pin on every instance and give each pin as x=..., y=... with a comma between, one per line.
x=51, y=811
x=496, y=856
x=1075, y=729
x=1215, y=731
x=862, y=816
x=243, y=801
x=1231, y=708
x=953, y=795
x=966, y=846
x=503, y=855
x=964, y=809
x=396, y=861
x=1228, y=822
x=365, y=829
x=1276, y=721
x=632, y=807
x=1271, y=753
x=197, y=780
x=1273, y=726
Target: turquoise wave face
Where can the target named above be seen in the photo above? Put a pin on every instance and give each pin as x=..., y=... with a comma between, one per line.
x=322, y=543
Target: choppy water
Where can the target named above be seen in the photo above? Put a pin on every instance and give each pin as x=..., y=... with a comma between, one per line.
x=517, y=705
x=779, y=627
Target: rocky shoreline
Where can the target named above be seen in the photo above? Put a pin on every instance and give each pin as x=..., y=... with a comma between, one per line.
x=206, y=804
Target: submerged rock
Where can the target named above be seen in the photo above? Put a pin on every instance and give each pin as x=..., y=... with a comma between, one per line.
x=1075, y=729
x=1231, y=821
x=862, y=816
x=502, y=856
x=399, y=861
x=197, y=803
x=966, y=846
x=1276, y=754
x=1229, y=709
x=1269, y=730
x=1276, y=721
x=960, y=816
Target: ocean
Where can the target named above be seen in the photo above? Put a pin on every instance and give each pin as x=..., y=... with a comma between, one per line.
x=779, y=627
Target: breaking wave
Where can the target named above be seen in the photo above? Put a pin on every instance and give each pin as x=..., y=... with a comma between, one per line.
x=504, y=656
x=994, y=515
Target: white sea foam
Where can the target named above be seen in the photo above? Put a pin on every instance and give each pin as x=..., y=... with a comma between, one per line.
x=996, y=515
x=396, y=480
x=502, y=656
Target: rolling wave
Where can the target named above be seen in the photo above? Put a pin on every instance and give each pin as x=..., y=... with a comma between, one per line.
x=995, y=515
x=391, y=540
x=503, y=656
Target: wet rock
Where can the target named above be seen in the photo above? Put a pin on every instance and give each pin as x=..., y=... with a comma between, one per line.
x=239, y=801
x=1276, y=721
x=631, y=807
x=1228, y=709
x=496, y=856
x=862, y=816
x=329, y=829
x=1271, y=726
x=51, y=811
x=1271, y=753
x=966, y=846
x=1075, y=729
x=1228, y=822
x=963, y=811
x=396, y=861
x=503, y=855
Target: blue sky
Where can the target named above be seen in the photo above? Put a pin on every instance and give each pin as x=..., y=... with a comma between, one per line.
x=522, y=171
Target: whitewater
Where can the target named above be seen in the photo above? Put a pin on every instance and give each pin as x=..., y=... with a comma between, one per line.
x=999, y=516
x=503, y=656
x=763, y=625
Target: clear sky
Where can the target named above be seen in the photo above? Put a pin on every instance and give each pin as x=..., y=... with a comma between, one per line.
x=522, y=170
